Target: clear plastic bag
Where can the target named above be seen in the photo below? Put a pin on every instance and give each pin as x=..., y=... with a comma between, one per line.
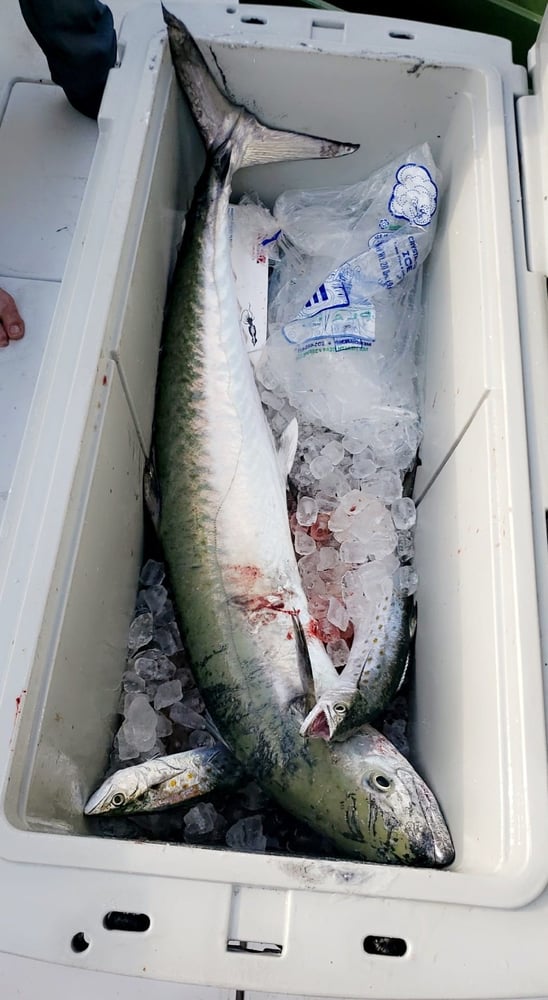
x=345, y=299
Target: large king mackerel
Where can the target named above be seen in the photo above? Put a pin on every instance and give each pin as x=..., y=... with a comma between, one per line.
x=225, y=530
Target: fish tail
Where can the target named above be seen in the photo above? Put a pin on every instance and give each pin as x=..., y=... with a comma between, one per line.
x=224, y=124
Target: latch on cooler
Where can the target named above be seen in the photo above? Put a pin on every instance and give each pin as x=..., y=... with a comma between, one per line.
x=259, y=920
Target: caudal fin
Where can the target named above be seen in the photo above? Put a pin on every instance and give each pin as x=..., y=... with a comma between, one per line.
x=219, y=120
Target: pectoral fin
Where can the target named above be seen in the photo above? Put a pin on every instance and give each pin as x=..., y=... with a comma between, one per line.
x=305, y=666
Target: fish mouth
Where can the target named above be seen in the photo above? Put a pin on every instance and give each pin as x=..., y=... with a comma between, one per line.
x=317, y=724
x=440, y=849
x=93, y=806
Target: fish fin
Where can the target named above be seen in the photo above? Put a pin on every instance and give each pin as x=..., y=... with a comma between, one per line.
x=269, y=145
x=213, y=730
x=218, y=119
x=214, y=114
x=287, y=448
x=413, y=620
x=305, y=666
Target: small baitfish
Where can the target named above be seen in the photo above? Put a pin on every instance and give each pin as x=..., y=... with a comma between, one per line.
x=372, y=675
x=163, y=782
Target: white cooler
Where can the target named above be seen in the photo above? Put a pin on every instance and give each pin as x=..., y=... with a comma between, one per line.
x=71, y=524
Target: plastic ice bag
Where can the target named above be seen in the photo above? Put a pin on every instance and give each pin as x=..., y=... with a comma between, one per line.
x=344, y=309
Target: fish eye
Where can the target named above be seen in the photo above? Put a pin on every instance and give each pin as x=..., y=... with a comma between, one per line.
x=118, y=799
x=339, y=708
x=380, y=782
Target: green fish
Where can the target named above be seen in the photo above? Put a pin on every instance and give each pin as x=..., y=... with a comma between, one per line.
x=225, y=532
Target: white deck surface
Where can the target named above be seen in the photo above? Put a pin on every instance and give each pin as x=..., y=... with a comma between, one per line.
x=45, y=152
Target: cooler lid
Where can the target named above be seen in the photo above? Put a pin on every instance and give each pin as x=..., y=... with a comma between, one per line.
x=532, y=113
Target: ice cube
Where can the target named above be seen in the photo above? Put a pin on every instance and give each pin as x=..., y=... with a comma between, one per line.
x=338, y=652
x=373, y=570
x=132, y=682
x=327, y=632
x=164, y=727
x=362, y=466
x=127, y=698
x=155, y=598
x=247, y=834
x=321, y=466
x=326, y=502
x=271, y=399
x=351, y=586
x=308, y=566
x=267, y=377
x=168, y=693
x=334, y=451
x=307, y=511
x=335, y=483
x=403, y=513
x=168, y=639
x=362, y=527
x=318, y=605
x=328, y=557
x=382, y=543
x=152, y=573
x=339, y=522
x=353, y=551
x=125, y=749
x=183, y=715
x=140, y=724
x=395, y=444
x=304, y=544
x=406, y=580
x=390, y=563
x=353, y=445
x=337, y=614
x=154, y=666
x=384, y=484
x=140, y=632
x=353, y=502
x=166, y=616
x=332, y=578
x=200, y=820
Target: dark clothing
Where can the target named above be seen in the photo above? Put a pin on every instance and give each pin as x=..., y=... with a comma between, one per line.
x=79, y=42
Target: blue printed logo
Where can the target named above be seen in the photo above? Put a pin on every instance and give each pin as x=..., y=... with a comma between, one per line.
x=414, y=196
